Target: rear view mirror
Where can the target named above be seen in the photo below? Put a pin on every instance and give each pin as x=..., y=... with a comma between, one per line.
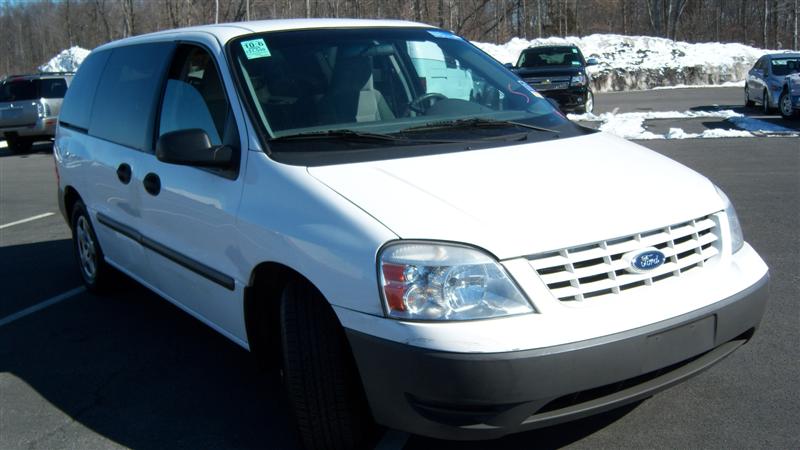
x=508, y=66
x=192, y=147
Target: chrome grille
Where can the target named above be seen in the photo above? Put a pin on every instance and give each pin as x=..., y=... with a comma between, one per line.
x=594, y=270
x=548, y=83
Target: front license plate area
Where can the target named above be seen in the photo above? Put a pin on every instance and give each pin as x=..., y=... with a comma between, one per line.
x=680, y=343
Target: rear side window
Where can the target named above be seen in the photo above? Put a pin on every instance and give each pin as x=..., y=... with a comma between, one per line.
x=53, y=87
x=77, y=108
x=125, y=102
x=18, y=90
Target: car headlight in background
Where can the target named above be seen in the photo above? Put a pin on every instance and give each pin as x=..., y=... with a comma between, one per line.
x=432, y=281
x=737, y=237
x=578, y=80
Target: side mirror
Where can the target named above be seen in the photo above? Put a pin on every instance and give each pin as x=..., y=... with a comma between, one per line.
x=508, y=66
x=192, y=147
x=592, y=62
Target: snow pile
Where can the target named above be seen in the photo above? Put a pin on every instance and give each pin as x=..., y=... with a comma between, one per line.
x=631, y=125
x=762, y=127
x=643, y=62
x=66, y=61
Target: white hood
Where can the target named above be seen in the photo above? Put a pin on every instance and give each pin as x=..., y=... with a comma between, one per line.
x=520, y=200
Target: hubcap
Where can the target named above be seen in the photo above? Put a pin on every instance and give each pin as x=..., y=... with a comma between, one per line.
x=786, y=105
x=86, y=249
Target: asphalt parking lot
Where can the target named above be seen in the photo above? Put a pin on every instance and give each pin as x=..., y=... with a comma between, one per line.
x=129, y=370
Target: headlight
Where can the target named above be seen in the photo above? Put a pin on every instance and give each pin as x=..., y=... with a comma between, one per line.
x=430, y=281
x=578, y=80
x=737, y=237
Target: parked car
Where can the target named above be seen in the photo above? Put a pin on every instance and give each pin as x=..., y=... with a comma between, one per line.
x=456, y=268
x=558, y=72
x=765, y=84
x=789, y=101
x=29, y=107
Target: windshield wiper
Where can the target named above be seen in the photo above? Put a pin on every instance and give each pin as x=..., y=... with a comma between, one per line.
x=475, y=122
x=340, y=134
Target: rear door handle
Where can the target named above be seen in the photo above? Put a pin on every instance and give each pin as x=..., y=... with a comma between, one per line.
x=124, y=173
x=152, y=184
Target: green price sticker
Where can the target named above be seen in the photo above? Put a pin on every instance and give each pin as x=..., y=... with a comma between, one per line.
x=255, y=48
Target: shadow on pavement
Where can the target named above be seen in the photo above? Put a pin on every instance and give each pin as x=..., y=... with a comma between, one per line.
x=138, y=371
x=31, y=273
x=42, y=147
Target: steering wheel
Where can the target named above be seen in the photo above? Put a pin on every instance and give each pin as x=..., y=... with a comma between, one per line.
x=416, y=105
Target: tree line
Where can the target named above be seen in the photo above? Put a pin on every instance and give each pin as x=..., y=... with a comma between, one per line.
x=31, y=32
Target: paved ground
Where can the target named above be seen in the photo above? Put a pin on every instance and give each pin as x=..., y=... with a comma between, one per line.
x=130, y=370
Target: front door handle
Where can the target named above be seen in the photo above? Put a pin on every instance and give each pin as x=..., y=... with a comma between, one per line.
x=124, y=173
x=152, y=184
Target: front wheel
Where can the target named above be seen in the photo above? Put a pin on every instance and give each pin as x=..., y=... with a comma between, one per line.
x=747, y=102
x=95, y=272
x=765, y=103
x=786, y=107
x=320, y=375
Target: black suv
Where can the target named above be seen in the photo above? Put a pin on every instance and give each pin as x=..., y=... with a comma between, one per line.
x=558, y=72
x=29, y=107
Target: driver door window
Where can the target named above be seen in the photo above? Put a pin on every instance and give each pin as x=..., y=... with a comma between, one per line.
x=194, y=97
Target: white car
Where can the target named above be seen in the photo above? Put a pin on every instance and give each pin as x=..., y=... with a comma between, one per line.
x=457, y=268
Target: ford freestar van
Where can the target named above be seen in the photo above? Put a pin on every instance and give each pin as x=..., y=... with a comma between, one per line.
x=462, y=268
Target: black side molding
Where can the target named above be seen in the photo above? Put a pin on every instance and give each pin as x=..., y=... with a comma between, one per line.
x=73, y=127
x=199, y=268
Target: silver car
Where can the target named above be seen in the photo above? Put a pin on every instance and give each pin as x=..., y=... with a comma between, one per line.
x=29, y=107
x=765, y=80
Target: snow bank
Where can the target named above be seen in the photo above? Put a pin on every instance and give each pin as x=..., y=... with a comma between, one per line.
x=643, y=62
x=66, y=61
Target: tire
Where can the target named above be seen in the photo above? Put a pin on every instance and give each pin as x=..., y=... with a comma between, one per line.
x=765, y=103
x=747, y=102
x=19, y=145
x=320, y=375
x=785, y=106
x=588, y=106
x=95, y=272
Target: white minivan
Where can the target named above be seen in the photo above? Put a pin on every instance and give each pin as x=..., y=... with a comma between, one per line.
x=451, y=267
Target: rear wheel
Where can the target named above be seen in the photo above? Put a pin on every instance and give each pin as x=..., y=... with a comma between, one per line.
x=95, y=272
x=786, y=107
x=319, y=372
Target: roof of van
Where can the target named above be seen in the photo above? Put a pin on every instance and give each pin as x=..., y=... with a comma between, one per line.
x=224, y=32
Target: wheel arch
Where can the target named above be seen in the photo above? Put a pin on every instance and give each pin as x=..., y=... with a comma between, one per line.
x=71, y=196
x=262, y=300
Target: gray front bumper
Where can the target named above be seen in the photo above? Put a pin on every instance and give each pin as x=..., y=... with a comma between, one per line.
x=484, y=396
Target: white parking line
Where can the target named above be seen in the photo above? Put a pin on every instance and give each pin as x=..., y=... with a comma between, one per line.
x=40, y=306
x=29, y=219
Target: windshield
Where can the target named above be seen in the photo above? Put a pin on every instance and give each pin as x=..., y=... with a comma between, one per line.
x=551, y=56
x=785, y=66
x=382, y=81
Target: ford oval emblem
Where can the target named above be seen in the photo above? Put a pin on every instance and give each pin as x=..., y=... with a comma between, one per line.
x=644, y=260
